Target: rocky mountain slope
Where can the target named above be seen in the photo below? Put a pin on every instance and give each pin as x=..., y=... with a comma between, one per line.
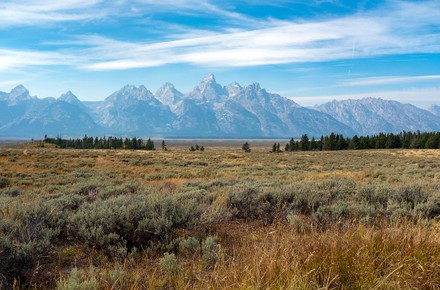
x=435, y=109
x=209, y=110
x=373, y=115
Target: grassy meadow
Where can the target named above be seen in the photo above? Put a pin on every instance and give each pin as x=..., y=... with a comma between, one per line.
x=219, y=219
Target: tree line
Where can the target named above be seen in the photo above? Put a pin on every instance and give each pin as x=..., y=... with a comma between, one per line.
x=403, y=140
x=103, y=143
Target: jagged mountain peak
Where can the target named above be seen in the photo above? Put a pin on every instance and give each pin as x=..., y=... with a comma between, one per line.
x=19, y=92
x=70, y=98
x=130, y=93
x=208, y=81
x=254, y=92
x=253, y=87
x=209, y=110
x=133, y=88
x=17, y=95
x=167, y=87
x=209, y=90
x=375, y=115
x=209, y=78
x=20, y=89
x=168, y=95
x=234, y=89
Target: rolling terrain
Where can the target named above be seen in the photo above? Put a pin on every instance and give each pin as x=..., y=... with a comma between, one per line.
x=222, y=218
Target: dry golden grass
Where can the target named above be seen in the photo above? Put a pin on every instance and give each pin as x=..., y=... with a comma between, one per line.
x=255, y=252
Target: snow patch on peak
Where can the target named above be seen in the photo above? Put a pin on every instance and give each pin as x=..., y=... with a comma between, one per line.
x=209, y=77
x=234, y=89
x=168, y=95
x=208, y=90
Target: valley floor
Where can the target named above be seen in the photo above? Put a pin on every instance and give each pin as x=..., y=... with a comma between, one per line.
x=219, y=219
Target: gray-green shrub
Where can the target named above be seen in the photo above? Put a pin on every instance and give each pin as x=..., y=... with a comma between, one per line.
x=131, y=221
x=210, y=252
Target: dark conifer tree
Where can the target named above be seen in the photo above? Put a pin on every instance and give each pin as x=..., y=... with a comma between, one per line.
x=304, y=143
x=149, y=145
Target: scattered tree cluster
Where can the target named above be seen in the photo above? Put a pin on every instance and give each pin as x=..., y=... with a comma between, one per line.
x=197, y=148
x=406, y=140
x=102, y=143
x=276, y=148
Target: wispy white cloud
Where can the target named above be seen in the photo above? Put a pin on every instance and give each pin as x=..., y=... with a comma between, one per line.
x=42, y=12
x=386, y=80
x=12, y=59
x=404, y=27
x=28, y=12
x=362, y=35
x=7, y=84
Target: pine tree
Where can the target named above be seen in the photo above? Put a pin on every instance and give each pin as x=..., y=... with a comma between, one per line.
x=291, y=145
x=149, y=145
x=304, y=143
x=354, y=143
x=433, y=141
x=313, y=144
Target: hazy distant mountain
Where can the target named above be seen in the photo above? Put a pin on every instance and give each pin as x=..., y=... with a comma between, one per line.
x=209, y=91
x=372, y=116
x=55, y=119
x=234, y=111
x=70, y=98
x=169, y=95
x=133, y=111
x=209, y=110
x=26, y=116
x=435, y=109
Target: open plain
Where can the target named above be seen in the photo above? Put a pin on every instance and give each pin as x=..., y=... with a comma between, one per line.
x=219, y=219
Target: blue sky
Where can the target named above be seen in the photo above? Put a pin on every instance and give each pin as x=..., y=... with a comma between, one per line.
x=312, y=51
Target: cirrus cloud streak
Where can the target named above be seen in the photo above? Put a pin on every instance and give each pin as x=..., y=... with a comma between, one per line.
x=406, y=28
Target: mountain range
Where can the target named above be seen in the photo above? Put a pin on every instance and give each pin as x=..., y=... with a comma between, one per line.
x=209, y=110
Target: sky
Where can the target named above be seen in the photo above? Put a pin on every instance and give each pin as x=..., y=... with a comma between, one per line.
x=311, y=51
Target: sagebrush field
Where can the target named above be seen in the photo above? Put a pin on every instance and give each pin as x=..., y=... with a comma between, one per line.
x=219, y=219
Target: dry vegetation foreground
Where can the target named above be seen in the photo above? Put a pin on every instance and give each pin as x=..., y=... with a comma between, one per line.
x=219, y=219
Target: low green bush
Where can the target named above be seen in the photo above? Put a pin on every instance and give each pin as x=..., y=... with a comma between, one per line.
x=189, y=246
x=210, y=252
x=11, y=191
x=25, y=238
x=168, y=264
x=129, y=221
x=4, y=182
